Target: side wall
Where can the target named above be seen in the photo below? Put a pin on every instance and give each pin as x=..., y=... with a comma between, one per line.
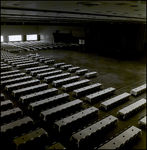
x=45, y=32
x=98, y=37
x=116, y=37
x=18, y=29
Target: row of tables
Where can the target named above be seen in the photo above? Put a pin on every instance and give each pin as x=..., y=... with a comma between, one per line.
x=131, y=108
x=65, y=81
x=93, y=129
x=49, y=113
x=13, y=122
x=7, y=104
x=28, y=70
x=28, y=90
x=75, y=85
x=75, y=118
x=94, y=96
x=42, y=71
x=87, y=89
x=138, y=90
x=115, y=100
x=47, y=73
x=14, y=61
x=53, y=113
x=30, y=46
x=16, y=80
x=9, y=72
x=12, y=76
x=20, y=85
x=56, y=77
x=120, y=140
x=10, y=47
x=27, y=65
x=48, y=102
x=38, y=95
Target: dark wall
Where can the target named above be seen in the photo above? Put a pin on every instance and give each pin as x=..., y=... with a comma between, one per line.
x=62, y=37
x=46, y=33
x=116, y=37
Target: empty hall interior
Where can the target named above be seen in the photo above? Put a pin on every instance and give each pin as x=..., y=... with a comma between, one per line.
x=73, y=75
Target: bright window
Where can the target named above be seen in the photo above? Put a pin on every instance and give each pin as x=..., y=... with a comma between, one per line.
x=31, y=37
x=15, y=38
x=2, y=40
x=81, y=41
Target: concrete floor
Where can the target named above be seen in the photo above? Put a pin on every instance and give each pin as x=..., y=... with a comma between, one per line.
x=123, y=75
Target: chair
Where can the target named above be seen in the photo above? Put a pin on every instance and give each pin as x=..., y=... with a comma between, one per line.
x=28, y=144
x=120, y=147
x=95, y=148
x=130, y=140
x=21, y=146
x=126, y=142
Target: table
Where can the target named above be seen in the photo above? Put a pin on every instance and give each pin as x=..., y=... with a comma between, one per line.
x=93, y=129
x=131, y=107
x=114, y=100
x=142, y=121
x=121, y=138
x=138, y=90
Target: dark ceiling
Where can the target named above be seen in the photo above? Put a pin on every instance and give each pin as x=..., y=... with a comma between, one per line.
x=46, y=12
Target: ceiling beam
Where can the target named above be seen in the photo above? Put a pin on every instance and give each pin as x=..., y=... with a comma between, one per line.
x=66, y=12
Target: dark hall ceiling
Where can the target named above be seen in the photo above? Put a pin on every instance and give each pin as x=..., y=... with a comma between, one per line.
x=73, y=11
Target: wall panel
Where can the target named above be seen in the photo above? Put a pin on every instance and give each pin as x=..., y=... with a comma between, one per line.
x=46, y=32
x=18, y=29
x=117, y=37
